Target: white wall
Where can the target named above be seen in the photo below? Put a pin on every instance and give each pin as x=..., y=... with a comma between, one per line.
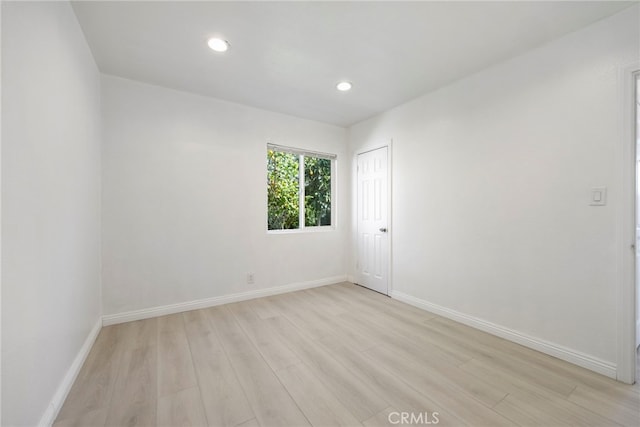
x=50, y=203
x=184, y=199
x=491, y=180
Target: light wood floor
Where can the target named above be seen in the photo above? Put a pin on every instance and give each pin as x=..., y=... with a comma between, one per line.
x=337, y=355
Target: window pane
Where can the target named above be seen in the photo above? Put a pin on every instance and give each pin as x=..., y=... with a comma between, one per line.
x=317, y=191
x=283, y=188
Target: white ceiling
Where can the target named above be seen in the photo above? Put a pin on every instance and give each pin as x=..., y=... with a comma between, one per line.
x=288, y=56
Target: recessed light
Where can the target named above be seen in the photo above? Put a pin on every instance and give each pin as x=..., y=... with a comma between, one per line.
x=219, y=45
x=344, y=86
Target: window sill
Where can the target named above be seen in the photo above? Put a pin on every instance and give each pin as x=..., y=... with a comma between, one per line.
x=305, y=230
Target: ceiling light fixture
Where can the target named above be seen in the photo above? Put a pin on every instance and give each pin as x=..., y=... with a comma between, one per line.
x=219, y=45
x=344, y=86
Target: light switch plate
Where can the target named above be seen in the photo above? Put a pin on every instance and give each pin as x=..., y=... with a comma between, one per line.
x=598, y=196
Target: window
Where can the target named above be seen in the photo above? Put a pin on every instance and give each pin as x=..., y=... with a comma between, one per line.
x=299, y=188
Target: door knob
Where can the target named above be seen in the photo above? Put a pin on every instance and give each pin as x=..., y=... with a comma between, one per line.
x=384, y=230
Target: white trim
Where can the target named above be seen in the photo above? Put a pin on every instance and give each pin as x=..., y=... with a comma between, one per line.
x=626, y=229
x=301, y=151
x=561, y=352
x=146, y=313
x=302, y=192
x=63, y=389
x=313, y=229
x=390, y=216
x=1, y=218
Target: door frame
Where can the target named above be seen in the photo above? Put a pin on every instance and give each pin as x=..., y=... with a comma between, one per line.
x=626, y=304
x=362, y=150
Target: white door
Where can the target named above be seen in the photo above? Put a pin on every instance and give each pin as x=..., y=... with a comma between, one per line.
x=373, y=237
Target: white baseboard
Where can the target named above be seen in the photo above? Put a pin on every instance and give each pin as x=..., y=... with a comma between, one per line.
x=61, y=393
x=146, y=313
x=564, y=353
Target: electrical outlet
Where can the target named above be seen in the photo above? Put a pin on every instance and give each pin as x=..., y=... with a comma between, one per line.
x=250, y=279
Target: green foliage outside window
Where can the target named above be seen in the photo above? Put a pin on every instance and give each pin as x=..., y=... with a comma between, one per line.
x=317, y=191
x=283, y=190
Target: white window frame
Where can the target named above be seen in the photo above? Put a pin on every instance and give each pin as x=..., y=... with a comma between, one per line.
x=302, y=228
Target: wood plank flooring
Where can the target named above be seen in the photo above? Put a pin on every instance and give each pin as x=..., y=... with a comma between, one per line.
x=338, y=355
